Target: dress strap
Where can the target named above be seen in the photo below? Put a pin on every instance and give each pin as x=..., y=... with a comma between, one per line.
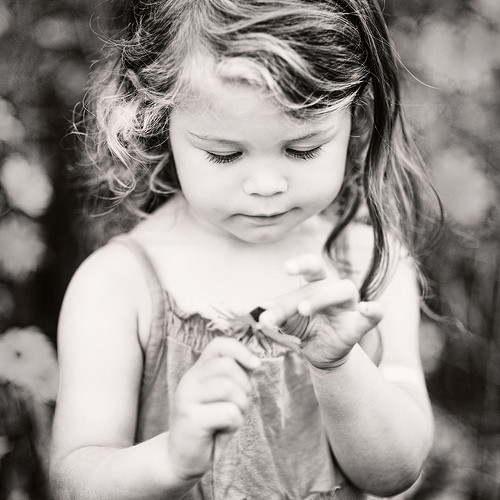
x=155, y=350
x=149, y=269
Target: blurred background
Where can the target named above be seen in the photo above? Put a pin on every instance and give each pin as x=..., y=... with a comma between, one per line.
x=451, y=49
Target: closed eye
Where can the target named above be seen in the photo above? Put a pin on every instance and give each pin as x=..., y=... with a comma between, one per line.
x=304, y=155
x=218, y=158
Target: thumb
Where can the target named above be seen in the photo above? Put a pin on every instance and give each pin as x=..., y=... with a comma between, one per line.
x=371, y=313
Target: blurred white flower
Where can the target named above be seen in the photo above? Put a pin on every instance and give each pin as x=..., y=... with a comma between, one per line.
x=490, y=9
x=11, y=129
x=5, y=18
x=26, y=184
x=21, y=248
x=53, y=32
x=28, y=360
x=458, y=56
x=466, y=192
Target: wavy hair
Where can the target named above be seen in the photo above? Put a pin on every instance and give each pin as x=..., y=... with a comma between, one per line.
x=312, y=57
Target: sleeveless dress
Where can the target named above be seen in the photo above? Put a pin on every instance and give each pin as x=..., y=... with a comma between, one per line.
x=281, y=451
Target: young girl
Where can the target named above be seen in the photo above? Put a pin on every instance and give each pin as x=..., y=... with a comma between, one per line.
x=228, y=346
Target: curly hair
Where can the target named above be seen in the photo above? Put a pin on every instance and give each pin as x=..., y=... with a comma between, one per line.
x=311, y=57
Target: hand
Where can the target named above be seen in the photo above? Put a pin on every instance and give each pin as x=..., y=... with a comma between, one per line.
x=211, y=398
x=325, y=313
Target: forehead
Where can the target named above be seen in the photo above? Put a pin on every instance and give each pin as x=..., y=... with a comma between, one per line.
x=235, y=108
x=203, y=80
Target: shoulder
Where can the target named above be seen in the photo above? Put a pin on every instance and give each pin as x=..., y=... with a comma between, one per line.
x=100, y=352
x=112, y=267
x=109, y=289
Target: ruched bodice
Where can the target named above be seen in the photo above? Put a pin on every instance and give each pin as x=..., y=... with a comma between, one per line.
x=281, y=451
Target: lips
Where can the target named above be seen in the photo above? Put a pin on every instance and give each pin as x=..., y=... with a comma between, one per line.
x=268, y=216
x=265, y=219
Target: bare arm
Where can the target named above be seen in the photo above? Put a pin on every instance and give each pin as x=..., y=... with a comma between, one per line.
x=379, y=420
x=100, y=363
x=100, y=357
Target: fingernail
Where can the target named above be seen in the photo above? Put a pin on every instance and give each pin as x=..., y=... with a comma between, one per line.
x=363, y=307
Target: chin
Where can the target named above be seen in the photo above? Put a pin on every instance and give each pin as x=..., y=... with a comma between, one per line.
x=262, y=237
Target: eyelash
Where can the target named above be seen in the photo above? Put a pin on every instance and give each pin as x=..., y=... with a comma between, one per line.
x=220, y=159
x=301, y=155
x=304, y=155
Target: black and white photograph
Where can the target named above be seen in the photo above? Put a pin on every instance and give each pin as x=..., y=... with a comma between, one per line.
x=249, y=249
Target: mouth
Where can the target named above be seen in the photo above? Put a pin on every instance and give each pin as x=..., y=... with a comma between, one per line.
x=267, y=216
x=266, y=219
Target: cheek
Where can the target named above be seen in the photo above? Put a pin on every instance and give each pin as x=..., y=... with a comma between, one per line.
x=203, y=189
x=327, y=181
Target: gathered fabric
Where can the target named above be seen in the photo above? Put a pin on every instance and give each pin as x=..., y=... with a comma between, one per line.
x=281, y=451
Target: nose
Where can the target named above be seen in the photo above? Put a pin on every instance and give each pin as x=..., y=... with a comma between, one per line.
x=265, y=182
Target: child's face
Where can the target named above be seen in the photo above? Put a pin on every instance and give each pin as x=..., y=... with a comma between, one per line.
x=251, y=171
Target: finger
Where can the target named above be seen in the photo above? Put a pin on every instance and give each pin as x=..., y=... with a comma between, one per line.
x=220, y=416
x=222, y=389
x=310, y=266
x=371, y=314
x=228, y=368
x=339, y=295
x=285, y=306
x=231, y=348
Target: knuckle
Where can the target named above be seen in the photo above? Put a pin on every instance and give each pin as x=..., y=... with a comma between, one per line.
x=224, y=387
x=225, y=364
x=234, y=416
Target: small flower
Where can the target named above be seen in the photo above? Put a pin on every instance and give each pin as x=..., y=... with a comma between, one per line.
x=28, y=360
x=26, y=184
x=22, y=248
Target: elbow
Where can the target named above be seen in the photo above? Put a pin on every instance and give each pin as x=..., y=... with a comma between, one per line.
x=387, y=482
x=395, y=479
x=403, y=469
x=395, y=483
x=396, y=474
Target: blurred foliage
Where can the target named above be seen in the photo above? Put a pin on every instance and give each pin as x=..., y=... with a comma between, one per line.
x=451, y=50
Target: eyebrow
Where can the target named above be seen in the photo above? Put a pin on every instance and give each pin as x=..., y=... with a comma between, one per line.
x=228, y=142
x=211, y=138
